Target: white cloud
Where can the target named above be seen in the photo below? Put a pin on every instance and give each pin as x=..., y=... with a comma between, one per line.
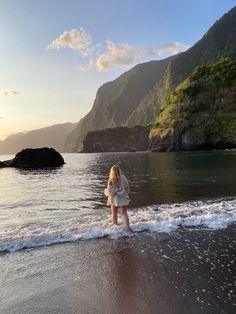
x=78, y=40
x=113, y=55
x=9, y=92
x=123, y=55
x=171, y=48
x=120, y=55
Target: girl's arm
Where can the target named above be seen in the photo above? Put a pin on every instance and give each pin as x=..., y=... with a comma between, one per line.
x=111, y=188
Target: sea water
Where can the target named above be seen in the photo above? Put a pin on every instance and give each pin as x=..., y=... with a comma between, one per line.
x=168, y=191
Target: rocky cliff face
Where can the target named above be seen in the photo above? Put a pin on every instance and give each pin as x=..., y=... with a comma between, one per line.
x=115, y=102
x=120, y=139
x=201, y=112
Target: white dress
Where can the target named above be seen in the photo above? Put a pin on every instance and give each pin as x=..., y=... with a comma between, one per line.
x=120, y=196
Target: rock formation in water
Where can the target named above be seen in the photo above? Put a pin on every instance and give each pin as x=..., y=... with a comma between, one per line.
x=201, y=112
x=136, y=97
x=35, y=159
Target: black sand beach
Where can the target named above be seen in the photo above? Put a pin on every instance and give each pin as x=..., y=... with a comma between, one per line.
x=189, y=271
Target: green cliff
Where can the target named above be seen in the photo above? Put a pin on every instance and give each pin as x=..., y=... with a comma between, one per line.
x=201, y=112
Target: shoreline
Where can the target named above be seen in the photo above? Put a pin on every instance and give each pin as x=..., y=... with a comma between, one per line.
x=157, y=219
x=188, y=271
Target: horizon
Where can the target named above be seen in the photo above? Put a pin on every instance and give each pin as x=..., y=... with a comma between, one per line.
x=53, y=76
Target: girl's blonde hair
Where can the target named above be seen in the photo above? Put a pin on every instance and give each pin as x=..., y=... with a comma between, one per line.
x=114, y=175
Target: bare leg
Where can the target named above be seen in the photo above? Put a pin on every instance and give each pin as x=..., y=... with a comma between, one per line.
x=114, y=214
x=125, y=217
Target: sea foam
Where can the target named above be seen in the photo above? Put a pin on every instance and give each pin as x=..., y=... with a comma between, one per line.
x=213, y=214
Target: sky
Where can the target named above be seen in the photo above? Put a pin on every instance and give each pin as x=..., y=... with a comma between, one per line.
x=56, y=53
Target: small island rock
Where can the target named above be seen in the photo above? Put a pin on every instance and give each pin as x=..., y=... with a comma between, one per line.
x=35, y=158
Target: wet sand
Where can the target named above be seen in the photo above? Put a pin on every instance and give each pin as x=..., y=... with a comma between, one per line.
x=189, y=271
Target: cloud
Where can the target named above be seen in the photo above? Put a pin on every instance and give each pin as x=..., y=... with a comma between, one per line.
x=124, y=55
x=78, y=40
x=113, y=55
x=120, y=55
x=171, y=48
x=9, y=92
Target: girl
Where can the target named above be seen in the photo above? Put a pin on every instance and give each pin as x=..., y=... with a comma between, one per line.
x=118, y=195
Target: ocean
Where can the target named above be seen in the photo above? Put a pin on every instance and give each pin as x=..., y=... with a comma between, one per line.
x=169, y=191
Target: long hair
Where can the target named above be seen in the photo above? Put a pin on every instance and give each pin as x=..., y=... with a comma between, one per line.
x=114, y=176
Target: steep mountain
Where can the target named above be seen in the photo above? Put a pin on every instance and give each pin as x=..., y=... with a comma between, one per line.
x=115, y=101
x=218, y=42
x=201, y=112
x=136, y=97
x=53, y=136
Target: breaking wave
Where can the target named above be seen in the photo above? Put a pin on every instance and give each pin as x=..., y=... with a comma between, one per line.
x=213, y=214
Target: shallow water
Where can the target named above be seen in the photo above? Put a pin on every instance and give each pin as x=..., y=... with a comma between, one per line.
x=168, y=190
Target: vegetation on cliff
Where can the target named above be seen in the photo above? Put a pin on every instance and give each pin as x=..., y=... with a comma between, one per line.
x=201, y=112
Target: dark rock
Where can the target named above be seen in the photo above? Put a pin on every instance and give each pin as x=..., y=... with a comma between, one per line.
x=2, y=164
x=35, y=158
